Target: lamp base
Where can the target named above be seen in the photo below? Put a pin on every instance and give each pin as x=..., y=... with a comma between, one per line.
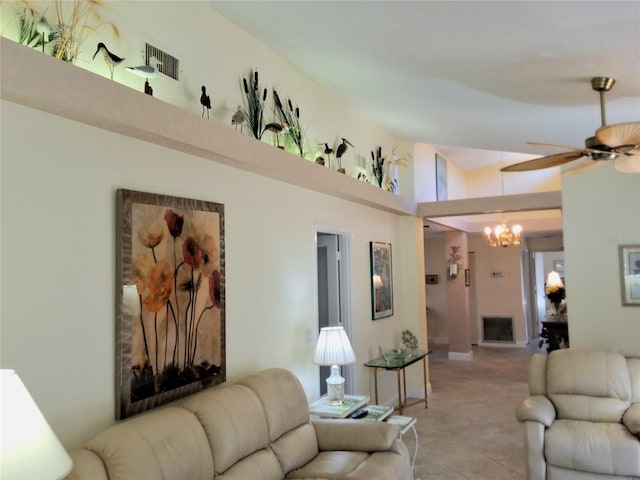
x=335, y=387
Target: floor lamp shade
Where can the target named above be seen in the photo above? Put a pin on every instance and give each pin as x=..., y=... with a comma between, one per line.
x=334, y=349
x=28, y=447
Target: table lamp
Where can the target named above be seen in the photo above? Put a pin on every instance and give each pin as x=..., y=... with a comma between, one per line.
x=28, y=447
x=333, y=349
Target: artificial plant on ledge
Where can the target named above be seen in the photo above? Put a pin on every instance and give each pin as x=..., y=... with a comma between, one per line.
x=291, y=118
x=378, y=165
x=254, y=103
x=74, y=22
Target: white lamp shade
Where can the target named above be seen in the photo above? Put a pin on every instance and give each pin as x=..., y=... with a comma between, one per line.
x=333, y=347
x=28, y=447
x=554, y=280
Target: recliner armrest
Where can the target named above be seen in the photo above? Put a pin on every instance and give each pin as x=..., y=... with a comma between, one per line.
x=536, y=408
x=354, y=435
x=631, y=418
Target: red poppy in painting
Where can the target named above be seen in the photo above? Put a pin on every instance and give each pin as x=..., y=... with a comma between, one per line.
x=174, y=223
x=192, y=253
x=215, y=288
x=159, y=285
x=209, y=255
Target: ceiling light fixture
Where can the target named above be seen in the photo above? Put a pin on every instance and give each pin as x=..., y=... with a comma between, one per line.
x=502, y=236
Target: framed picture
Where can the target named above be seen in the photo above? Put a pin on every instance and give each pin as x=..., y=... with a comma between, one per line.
x=558, y=266
x=630, y=274
x=467, y=277
x=431, y=279
x=170, y=299
x=441, y=178
x=381, y=280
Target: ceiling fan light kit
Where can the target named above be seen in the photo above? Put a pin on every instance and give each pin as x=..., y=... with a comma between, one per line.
x=619, y=142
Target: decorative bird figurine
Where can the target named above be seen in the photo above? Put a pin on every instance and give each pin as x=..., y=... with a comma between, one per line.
x=238, y=118
x=327, y=150
x=146, y=71
x=276, y=128
x=205, y=101
x=112, y=60
x=342, y=148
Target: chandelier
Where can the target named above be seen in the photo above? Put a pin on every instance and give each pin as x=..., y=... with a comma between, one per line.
x=502, y=236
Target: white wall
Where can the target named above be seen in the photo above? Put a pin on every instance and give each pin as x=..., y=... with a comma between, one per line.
x=58, y=263
x=58, y=188
x=601, y=210
x=490, y=182
x=499, y=296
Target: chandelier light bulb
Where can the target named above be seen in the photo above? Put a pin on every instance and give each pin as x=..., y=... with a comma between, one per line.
x=502, y=236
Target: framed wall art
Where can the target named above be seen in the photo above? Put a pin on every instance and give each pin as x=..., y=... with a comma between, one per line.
x=381, y=280
x=630, y=274
x=170, y=299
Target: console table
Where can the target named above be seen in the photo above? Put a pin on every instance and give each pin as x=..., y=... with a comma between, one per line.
x=398, y=362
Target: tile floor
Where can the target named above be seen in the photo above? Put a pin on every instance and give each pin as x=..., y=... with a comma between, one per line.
x=469, y=430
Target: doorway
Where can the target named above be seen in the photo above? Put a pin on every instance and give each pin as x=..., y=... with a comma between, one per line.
x=541, y=262
x=333, y=250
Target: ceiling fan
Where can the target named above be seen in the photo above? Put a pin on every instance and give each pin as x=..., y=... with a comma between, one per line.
x=619, y=142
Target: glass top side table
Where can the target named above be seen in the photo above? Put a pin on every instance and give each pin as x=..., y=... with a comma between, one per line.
x=398, y=362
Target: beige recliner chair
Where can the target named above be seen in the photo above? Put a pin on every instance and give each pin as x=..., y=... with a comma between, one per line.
x=582, y=420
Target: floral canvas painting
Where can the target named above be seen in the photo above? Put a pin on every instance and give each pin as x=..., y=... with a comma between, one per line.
x=170, y=299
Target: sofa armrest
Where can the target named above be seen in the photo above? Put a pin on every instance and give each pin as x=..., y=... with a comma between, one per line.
x=631, y=418
x=86, y=466
x=536, y=408
x=354, y=435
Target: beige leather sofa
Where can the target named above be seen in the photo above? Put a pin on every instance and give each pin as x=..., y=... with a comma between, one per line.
x=256, y=429
x=582, y=420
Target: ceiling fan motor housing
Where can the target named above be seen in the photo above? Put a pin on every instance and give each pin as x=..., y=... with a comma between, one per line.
x=606, y=152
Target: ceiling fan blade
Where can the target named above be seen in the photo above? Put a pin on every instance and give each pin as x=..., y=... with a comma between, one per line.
x=621, y=134
x=564, y=147
x=544, y=162
x=627, y=164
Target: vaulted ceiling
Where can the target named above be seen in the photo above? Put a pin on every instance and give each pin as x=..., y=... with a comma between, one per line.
x=472, y=78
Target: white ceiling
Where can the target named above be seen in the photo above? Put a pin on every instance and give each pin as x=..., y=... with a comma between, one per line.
x=472, y=78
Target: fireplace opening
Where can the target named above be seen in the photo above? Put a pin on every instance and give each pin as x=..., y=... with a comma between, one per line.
x=497, y=329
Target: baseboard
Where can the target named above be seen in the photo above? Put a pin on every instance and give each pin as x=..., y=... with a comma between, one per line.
x=412, y=393
x=418, y=392
x=468, y=356
x=518, y=344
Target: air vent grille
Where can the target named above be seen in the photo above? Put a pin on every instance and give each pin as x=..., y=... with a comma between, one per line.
x=167, y=64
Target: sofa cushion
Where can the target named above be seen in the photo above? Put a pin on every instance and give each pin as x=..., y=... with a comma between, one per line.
x=331, y=466
x=282, y=397
x=296, y=447
x=604, y=448
x=262, y=465
x=165, y=444
x=234, y=422
x=588, y=385
x=634, y=372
